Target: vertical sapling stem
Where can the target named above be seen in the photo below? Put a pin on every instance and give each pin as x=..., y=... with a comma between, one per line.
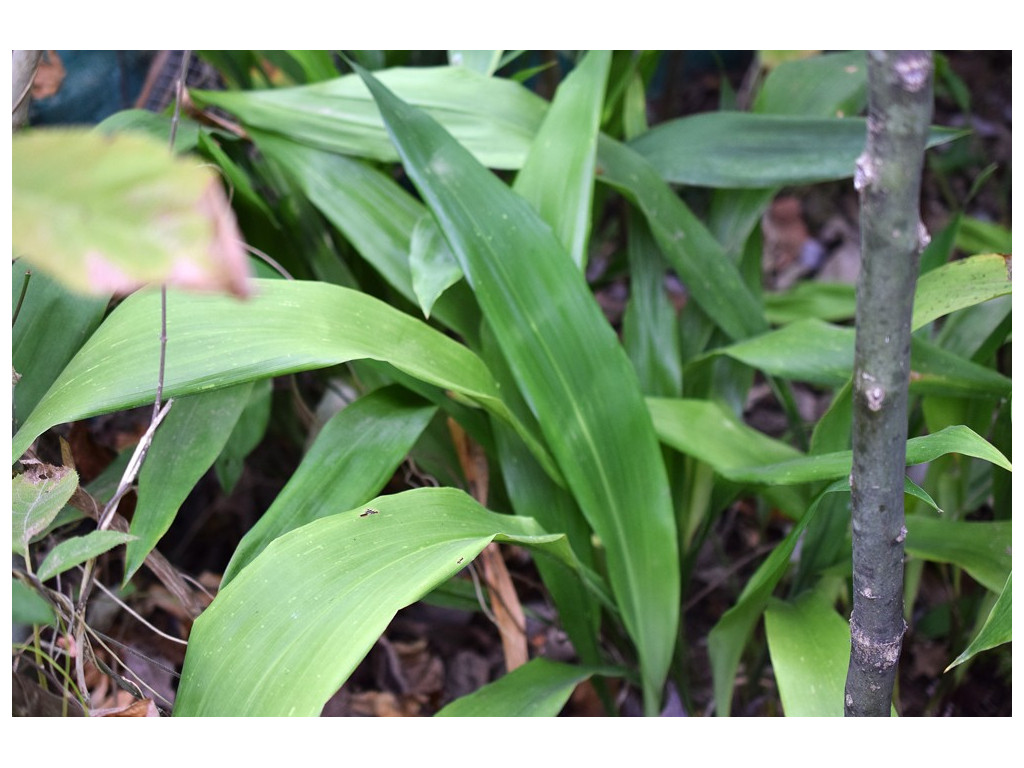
x=888, y=178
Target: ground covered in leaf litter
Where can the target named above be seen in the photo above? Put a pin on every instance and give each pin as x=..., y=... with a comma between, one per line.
x=431, y=655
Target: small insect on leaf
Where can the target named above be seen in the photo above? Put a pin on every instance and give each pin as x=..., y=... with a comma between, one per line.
x=369, y=511
x=459, y=560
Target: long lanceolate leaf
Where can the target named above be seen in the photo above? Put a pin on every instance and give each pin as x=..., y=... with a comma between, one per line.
x=540, y=688
x=285, y=634
x=558, y=175
x=688, y=246
x=216, y=341
x=188, y=442
x=354, y=455
x=568, y=364
x=741, y=150
x=494, y=117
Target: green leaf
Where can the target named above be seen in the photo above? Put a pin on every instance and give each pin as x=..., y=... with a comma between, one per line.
x=712, y=280
x=533, y=494
x=980, y=548
x=650, y=333
x=937, y=371
x=570, y=367
x=433, y=267
x=809, y=645
x=237, y=180
x=107, y=214
x=834, y=85
x=353, y=456
x=973, y=330
x=539, y=688
x=28, y=606
x=315, y=65
x=558, y=175
x=217, y=341
x=289, y=629
x=247, y=434
x=811, y=299
x=997, y=628
x=184, y=447
x=741, y=149
x=52, y=324
x=37, y=495
x=710, y=432
x=77, y=550
x=370, y=209
x=959, y=284
x=373, y=212
x=807, y=350
x=728, y=637
x=186, y=137
x=820, y=353
x=827, y=466
x=977, y=236
x=484, y=62
x=494, y=118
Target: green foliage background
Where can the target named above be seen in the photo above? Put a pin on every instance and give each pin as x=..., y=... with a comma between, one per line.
x=438, y=222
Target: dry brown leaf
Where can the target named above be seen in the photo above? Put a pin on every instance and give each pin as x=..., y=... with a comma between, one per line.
x=384, y=704
x=137, y=708
x=421, y=671
x=49, y=75
x=508, y=612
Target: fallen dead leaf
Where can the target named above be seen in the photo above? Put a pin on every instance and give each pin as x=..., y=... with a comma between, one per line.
x=137, y=708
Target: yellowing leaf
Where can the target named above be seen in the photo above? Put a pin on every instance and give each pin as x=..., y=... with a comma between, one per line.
x=109, y=214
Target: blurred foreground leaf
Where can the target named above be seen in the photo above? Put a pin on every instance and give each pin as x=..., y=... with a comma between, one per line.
x=108, y=214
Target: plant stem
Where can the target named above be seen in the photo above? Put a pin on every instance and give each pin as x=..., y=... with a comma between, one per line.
x=21, y=297
x=888, y=178
x=179, y=90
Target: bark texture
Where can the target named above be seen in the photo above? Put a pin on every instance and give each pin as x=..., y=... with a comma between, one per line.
x=888, y=178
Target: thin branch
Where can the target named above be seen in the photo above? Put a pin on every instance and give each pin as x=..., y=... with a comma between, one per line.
x=270, y=261
x=179, y=90
x=134, y=466
x=128, y=609
x=121, y=681
x=175, y=119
